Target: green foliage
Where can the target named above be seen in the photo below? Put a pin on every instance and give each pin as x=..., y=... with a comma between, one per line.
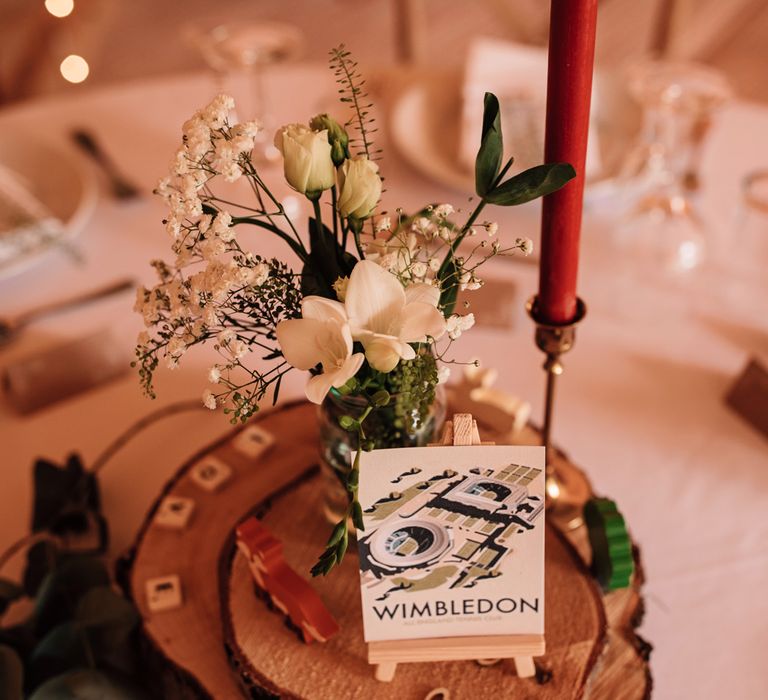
x=531, y=184
x=79, y=637
x=11, y=674
x=67, y=500
x=326, y=263
x=488, y=161
x=9, y=592
x=398, y=404
x=89, y=684
x=352, y=91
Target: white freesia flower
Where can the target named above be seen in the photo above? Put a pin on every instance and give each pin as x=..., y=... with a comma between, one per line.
x=306, y=158
x=359, y=188
x=322, y=336
x=385, y=318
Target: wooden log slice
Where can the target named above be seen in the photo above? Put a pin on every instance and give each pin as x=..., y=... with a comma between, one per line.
x=592, y=650
x=269, y=654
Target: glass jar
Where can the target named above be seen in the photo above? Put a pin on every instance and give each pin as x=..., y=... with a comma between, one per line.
x=388, y=426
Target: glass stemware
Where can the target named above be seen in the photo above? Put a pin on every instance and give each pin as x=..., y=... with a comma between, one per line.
x=662, y=232
x=238, y=51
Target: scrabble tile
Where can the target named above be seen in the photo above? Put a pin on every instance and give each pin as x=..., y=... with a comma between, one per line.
x=174, y=512
x=164, y=593
x=211, y=473
x=253, y=441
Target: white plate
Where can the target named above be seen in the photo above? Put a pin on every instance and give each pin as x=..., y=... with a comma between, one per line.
x=59, y=177
x=425, y=122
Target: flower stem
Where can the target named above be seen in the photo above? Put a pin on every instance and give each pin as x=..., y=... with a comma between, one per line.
x=318, y=217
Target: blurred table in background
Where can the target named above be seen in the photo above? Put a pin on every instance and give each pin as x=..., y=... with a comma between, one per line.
x=640, y=407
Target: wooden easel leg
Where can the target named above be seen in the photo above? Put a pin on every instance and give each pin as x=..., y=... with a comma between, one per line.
x=386, y=672
x=525, y=667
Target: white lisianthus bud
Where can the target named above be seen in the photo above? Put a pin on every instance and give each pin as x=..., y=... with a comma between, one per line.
x=307, y=160
x=359, y=188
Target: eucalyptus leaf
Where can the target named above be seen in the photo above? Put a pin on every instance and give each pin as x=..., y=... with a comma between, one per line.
x=531, y=184
x=89, y=684
x=42, y=558
x=64, y=648
x=65, y=497
x=488, y=160
x=11, y=674
x=59, y=594
x=107, y=616
x=9, y=591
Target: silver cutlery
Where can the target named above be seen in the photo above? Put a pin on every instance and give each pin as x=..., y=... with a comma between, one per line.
x=11, y=326
x=122, y=188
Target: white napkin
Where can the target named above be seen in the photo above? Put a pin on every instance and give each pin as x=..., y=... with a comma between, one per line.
x=25, y=222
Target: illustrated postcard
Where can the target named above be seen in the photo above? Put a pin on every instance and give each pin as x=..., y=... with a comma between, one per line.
x=453, y=542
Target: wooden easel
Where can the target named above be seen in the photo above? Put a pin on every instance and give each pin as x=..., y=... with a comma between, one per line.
x=462, y=430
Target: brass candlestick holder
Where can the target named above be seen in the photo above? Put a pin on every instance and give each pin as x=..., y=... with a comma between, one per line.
x=563, y=488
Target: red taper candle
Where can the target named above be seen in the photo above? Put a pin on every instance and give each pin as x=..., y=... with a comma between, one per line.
x=569, y=89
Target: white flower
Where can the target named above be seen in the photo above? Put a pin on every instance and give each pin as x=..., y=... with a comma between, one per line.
x=215, y=114
x=443, y=374
x=456, y=325
x=340, y=287
x=359, y=188
x=385, y=318
x=443, y=211
x=434, y=264
x=384, y=224
x=222, y=226
x=492, y=228
x=260, y=274
x=209, y=400
x=321, y=336
x=525, y=245
x=214, y=374
x=419, y=269
x=307, y=160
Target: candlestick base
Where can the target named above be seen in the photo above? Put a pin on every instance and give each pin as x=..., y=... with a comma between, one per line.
x=554, y=339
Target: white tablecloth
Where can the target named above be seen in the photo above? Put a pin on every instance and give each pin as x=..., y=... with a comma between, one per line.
x=640, y=405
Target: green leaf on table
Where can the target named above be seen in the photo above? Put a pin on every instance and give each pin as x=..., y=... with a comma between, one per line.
x=9, y=591
x=88, y=684
x=11, y=674
x=488, y=160
x=62, y=649
x=62, y=589
x=67, y=500
x=531, y=184
x=42, y=558
x=107, y=616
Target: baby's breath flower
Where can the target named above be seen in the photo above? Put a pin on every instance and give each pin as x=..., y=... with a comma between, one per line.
x=492, y=227
x=525, y=245
x=209, y=400
x=455, y=325
x=214, y=374
x=443, y=211
x=384, y=224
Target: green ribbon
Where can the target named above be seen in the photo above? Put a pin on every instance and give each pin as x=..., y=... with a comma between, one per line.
x=612, y=560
